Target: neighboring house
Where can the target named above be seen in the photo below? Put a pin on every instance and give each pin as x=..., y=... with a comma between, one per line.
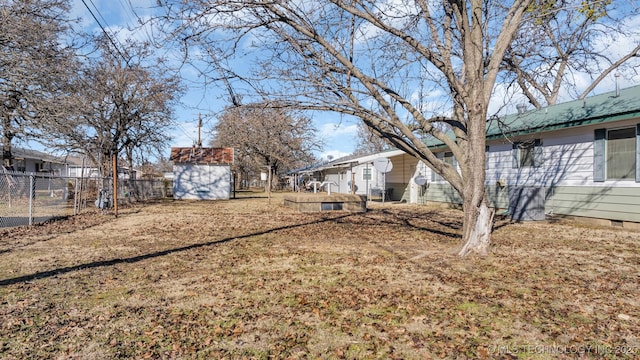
x=78, y=166
x=202, y=173
x=38, y=162
x=361, y=171
x=580, y=158
x=33, y=161
x=358, y=174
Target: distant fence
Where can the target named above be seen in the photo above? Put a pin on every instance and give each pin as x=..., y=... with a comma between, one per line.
x=27, y=199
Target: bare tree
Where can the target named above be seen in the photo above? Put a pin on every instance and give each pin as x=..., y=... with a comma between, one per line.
x=368, y=143
x=123, y=107
x=354, y=57
x=35, y=65
x=563, y=39
x=266, y=137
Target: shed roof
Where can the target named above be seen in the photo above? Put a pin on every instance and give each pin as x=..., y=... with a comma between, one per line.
x=201, y=155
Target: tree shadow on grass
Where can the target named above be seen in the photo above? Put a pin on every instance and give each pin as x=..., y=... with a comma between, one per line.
x=406, y=217
x=6, y=235
x=134, y=259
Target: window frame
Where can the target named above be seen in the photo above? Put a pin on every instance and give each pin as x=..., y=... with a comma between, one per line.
x=367, y=174
x=600, y=154
x=535, y=146
x=445, y=156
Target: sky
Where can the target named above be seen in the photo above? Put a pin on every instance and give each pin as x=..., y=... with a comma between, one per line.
x=337, y=133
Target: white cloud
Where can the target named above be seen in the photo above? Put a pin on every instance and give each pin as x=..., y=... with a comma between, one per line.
x=331, y=129
x=615, y=46
x=333, y=155
x=338, y=137
x=393, y=12
x=185, y=134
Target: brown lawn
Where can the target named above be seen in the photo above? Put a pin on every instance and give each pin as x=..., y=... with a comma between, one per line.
x=249, y=278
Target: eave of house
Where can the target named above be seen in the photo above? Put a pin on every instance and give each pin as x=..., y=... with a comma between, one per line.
x=21, y=154
x=371, y=157
x=599, y=109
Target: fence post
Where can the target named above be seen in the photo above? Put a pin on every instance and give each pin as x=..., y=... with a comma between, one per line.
x=76, y=205
x=32, y=195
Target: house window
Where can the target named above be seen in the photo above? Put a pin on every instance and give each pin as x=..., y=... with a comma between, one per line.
x=616, y=154
x=449, y=159
x=486, y=157
x=366, y=174
x=621, y=154
x=528, y=154
x=327, y=206
x=446, y=157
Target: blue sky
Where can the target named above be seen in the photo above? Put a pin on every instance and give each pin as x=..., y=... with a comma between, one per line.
x=116, y=16
x=338, y=133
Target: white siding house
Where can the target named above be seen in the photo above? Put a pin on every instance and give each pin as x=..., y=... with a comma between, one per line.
x=202, y=173
x=580, y=158
x=33, y=161
x=358, y=174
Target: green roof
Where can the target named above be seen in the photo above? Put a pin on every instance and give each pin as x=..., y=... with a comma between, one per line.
x=596, y=109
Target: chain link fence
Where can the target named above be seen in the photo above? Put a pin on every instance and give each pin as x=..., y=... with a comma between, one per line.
x=27, y=199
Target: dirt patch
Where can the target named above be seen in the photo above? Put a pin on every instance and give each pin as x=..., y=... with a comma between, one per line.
x=249, y=278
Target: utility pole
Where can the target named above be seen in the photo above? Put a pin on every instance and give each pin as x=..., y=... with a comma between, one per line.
x=199, y=127
x=114, y=165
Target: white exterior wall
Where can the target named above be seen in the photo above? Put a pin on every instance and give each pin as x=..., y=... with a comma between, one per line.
x=336, y=183
x=567, y=161
x=201, y=182
x=376, y=181
x=404, y=167
x=356, y=172
x=416, y=192
x=567, y=155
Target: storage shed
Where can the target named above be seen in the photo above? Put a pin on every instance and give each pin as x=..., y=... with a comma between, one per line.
x=202, y=173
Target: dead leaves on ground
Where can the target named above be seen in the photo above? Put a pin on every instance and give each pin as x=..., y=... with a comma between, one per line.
x=383, y=284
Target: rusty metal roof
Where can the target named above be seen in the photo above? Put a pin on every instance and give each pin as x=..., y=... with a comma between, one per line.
x=201, y=155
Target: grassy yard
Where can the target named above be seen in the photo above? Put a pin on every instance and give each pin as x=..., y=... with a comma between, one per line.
x=249, y=278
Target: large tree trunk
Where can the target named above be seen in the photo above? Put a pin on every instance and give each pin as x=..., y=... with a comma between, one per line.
x=478, y=224
x=478, y=217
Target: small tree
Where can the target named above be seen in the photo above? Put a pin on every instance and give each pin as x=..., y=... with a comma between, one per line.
x=122, y=106
x=265, y=137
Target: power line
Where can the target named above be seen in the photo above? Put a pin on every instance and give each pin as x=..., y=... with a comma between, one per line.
x=129, y=9
x=104, y=31
x=116, y=44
